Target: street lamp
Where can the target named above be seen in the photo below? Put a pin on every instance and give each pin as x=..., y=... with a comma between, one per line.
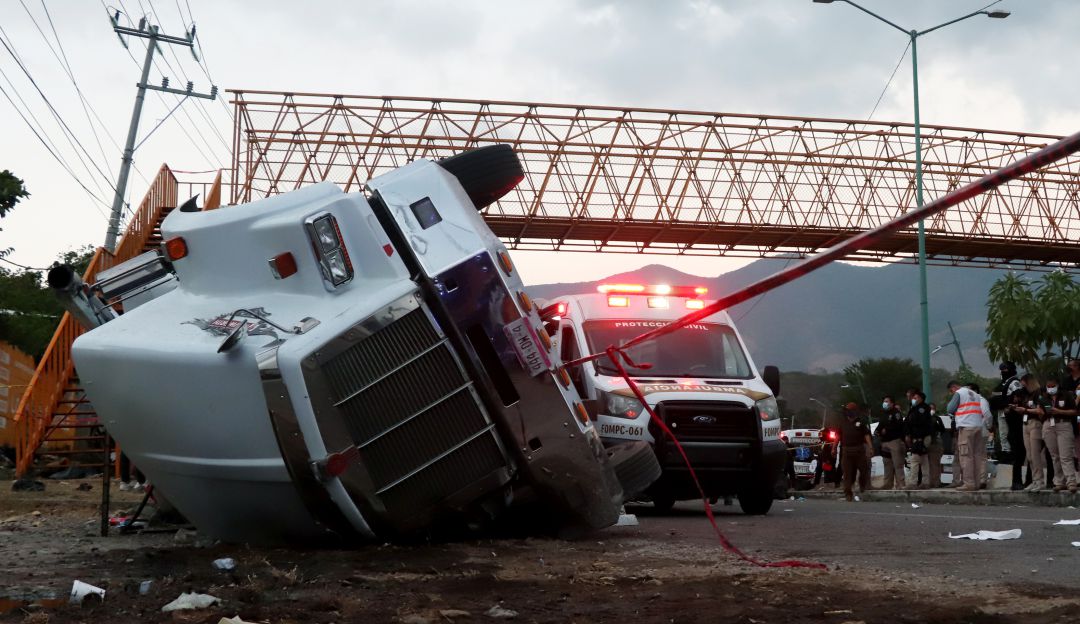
x=913, y=36
x=955, y=343
x=861, y=391
x=824, y=410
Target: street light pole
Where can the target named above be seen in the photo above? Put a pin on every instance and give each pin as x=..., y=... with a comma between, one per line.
x=824, y=410
x=913, y=36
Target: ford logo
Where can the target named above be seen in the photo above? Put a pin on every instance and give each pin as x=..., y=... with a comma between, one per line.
x=704, y=420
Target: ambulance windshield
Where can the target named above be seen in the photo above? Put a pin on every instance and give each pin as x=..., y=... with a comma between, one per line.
x=697, y=350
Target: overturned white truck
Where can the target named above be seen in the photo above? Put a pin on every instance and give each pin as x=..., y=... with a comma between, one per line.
x=366, y=365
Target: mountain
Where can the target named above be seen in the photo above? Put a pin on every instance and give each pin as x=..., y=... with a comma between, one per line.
x=839, y=313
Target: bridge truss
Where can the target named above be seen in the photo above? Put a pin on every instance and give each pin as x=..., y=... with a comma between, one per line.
x=679, y=182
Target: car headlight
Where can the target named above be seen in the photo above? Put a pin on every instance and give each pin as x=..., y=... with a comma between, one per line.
x=620, y=406
x=768, y=409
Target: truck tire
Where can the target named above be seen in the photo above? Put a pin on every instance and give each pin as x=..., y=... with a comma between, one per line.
x=635, y=466
x=757, y=501
x=486, y=173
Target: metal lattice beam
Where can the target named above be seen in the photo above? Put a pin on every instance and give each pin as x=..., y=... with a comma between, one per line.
x=678, y=182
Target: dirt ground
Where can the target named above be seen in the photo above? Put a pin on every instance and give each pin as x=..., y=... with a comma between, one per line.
x=623, y=574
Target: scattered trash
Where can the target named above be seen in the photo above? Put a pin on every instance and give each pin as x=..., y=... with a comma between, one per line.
x=792, y=498
x=1077, y=544
x=839, y=612
x=233, y=620
x=789, y=510
x=801, y=499
x=989, y=535
x=184, y=536
x=27, y=485
x=627, y=520
x=187, y=602
x=85, y=487
x=914, y=506
x=118, y=520
x=858, y=500
x=454, y=613
x=80, y=591
x=1066, y=522
x=226, y=563
x=500, y=613
x=144, y=587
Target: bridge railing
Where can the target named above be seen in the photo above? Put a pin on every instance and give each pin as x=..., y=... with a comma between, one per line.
x=46, y=388
x=636, y=180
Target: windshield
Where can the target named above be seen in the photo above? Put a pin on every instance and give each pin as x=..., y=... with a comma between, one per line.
x=697, y=350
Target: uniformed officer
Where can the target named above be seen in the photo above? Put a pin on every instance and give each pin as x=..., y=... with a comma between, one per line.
x=919, y=434
x=856, y=449
x=890, y=431
x=1010, y=424
x=1058, y=411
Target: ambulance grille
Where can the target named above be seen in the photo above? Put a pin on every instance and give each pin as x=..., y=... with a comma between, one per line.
x=704, y=421
x=409, y=408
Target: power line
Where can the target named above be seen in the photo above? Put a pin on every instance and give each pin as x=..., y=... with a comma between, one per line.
x=889, y=82
x=82, y=98
x=68, y=133
x=49, y=149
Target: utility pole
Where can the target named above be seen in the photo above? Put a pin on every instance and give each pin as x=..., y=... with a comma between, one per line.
x=150, y=32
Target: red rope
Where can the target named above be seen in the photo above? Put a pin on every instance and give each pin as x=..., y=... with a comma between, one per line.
x=614, y=355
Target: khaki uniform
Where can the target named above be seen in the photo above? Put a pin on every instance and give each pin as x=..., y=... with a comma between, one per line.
x=1033, y=445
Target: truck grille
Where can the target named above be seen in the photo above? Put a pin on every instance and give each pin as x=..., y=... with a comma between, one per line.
x=408, y=407
x=704, y=421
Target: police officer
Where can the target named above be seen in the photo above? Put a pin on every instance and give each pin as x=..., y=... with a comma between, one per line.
x=1058, y=410
x=1033, y=438
x=1009, y=424
x=856, y=449
x=890, y=431
x=919, y=434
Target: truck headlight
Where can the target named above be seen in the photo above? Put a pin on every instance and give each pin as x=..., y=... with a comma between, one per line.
x=620, y=406
x=768, y=409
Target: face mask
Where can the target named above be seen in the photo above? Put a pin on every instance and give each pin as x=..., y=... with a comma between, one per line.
x=933, y=411
x=914, y=401
x=885, y=405
x=1051, y=391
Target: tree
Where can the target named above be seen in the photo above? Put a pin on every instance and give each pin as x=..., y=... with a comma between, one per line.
x=1034, y=325
x=29, y=312
x=879, y=377
x=11, y=192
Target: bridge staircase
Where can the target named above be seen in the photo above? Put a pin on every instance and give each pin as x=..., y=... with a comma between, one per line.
x=56, y=425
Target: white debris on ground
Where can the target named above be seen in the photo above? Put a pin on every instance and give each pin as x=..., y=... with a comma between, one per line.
x=190, y=601
x=989, y=535
x=1066, y=522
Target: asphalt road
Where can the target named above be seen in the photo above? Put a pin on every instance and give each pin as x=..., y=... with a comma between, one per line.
x=890, y=536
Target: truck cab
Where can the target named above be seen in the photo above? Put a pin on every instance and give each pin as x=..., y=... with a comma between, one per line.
x=702, y=382
x=362, y=365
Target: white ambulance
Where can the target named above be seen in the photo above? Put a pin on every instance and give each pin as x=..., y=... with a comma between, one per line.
x=702, y=383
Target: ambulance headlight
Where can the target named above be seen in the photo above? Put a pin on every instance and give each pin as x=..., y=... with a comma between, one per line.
x=768, y=409
x=620, y=406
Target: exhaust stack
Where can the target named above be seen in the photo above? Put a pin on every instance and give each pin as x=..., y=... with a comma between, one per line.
x=77, y=298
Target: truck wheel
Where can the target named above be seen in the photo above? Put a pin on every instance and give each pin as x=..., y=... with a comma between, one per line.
x=486, y=173
x=756, y=502
x=635, y=466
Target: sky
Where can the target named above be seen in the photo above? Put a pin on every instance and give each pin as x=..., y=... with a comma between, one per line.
x=778, y=57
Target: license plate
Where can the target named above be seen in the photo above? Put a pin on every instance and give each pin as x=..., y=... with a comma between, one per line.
x=533, y=358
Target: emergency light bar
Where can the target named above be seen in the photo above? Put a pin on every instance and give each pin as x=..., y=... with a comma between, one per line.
x=655, y=289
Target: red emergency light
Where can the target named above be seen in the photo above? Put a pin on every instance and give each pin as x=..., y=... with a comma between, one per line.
x=652, y=289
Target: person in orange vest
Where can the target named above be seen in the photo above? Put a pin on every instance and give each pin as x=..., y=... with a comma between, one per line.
x=967, y=411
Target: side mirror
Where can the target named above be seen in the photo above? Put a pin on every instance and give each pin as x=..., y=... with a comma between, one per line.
x=771, y=377
x=234, y=338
